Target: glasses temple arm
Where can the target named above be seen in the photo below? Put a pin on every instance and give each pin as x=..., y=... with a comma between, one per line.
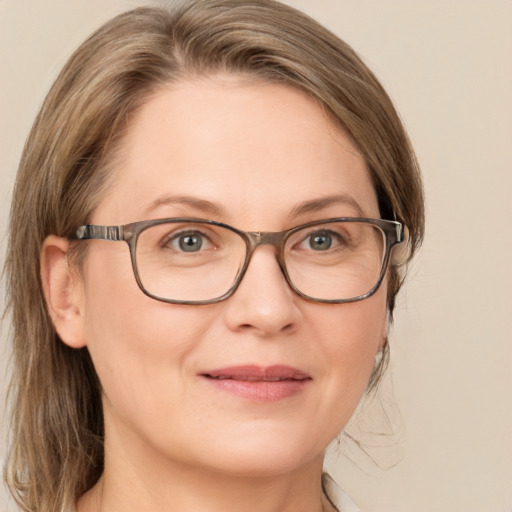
x=92, y=232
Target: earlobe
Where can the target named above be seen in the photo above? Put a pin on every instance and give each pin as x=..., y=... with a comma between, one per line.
x=383, y=335
x=63, y=292
x=401, y=253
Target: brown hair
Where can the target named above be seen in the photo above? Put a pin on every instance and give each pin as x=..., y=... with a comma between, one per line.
x=56, y=451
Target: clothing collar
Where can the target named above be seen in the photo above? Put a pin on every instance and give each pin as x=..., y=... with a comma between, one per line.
x=338, y=497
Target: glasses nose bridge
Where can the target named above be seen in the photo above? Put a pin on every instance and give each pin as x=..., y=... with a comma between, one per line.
x=274, y=238
x=257, y=238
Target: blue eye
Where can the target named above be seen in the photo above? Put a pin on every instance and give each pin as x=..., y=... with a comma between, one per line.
x=190, y=242
x=320, y=241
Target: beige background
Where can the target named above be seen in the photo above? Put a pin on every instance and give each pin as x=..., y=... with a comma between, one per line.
x=447, y=65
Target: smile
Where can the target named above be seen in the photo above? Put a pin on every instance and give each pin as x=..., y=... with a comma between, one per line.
x=259, y=384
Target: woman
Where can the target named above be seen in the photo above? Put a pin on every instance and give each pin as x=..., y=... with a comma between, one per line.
x=208, y=232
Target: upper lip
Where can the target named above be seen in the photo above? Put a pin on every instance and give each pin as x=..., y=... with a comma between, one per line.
x=273, y=373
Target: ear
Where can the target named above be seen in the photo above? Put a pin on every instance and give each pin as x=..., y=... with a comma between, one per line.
x=401, y=252
x=384, y=333
x=63, y=292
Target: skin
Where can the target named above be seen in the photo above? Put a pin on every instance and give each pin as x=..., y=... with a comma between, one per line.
x=173, y=441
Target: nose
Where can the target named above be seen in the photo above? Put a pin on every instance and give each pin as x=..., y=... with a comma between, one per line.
x=263, y=304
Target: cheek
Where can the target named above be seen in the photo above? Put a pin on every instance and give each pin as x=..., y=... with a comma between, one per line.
x=351, y=336
x=353, y=331
x=139, y=346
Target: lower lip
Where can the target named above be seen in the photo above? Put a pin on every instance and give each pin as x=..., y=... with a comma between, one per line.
x=260, y=390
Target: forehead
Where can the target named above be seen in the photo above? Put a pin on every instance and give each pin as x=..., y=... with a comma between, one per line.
x=248, y=148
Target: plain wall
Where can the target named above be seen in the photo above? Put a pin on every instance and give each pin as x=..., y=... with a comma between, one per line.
x=447, y=65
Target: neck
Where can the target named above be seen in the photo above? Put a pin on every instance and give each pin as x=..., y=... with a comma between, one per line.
x=227, y=494
x=155, y=486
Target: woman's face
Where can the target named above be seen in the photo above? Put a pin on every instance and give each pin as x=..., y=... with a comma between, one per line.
x=260, y=157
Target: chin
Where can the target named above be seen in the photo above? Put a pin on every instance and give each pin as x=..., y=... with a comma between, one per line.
x=267, y=453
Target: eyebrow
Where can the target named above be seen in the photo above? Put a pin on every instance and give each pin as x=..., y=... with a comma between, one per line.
x=194, y=202
x=316, y=205
x=207, y=207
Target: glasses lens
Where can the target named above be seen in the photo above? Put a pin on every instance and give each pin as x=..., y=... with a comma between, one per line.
x=189, y=261
x=335, y=260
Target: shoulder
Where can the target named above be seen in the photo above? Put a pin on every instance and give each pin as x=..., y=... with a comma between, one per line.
x=338, y=497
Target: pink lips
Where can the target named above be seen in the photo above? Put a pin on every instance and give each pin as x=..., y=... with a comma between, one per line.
x=261, y=384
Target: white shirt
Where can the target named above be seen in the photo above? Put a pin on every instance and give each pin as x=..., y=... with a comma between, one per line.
x=339, y=498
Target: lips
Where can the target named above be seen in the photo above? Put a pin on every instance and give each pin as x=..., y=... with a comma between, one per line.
x=261, y=384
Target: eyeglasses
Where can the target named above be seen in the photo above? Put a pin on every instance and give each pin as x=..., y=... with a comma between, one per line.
x=197, y=261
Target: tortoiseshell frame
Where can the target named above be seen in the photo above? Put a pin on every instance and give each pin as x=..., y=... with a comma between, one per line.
x=393, y=232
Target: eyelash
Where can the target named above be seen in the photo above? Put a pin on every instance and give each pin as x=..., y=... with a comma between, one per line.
x=175, y=237
x=336, y=238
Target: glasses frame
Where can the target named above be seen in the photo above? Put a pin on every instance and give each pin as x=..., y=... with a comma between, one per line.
x=393, y=234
